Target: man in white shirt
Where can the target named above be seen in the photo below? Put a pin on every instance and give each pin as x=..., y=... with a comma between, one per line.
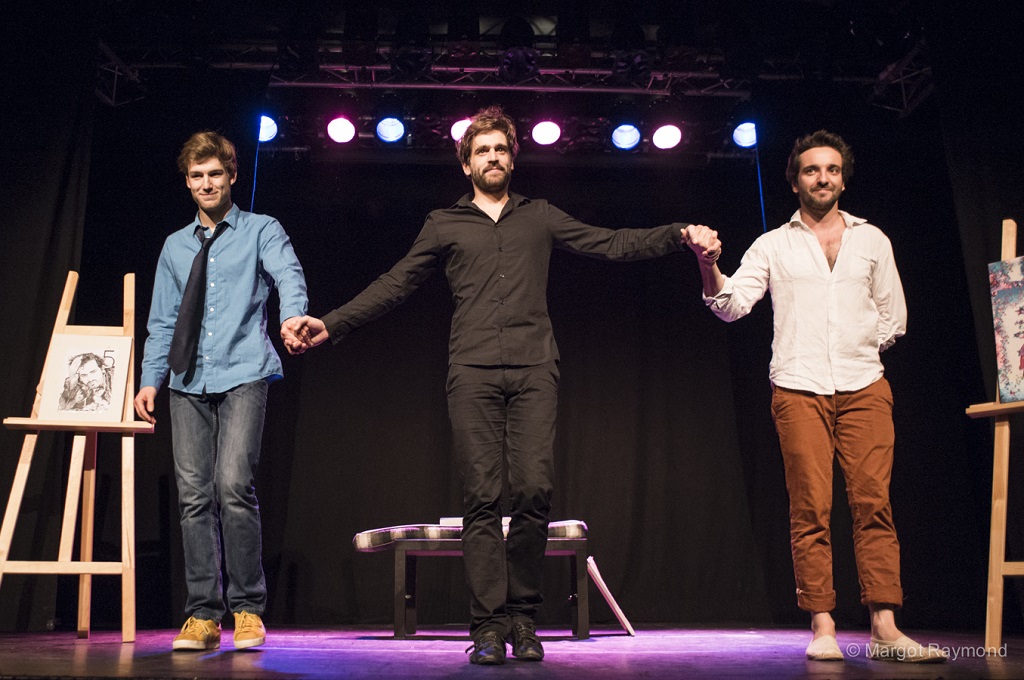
x=837, y=302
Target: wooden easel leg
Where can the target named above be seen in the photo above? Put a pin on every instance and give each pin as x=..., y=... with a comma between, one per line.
x=997, y=537
x=67, y=527
x=86, y=545
x=128, y=538
x=14, y=501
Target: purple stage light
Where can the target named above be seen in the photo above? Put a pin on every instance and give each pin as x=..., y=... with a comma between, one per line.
x=459, y=128
x=341, y=130
x=546, y=132
x=667, y=137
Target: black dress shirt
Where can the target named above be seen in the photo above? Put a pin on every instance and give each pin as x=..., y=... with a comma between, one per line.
x=498, y=274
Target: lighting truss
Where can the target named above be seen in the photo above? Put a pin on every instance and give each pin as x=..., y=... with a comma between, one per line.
x=906, y=83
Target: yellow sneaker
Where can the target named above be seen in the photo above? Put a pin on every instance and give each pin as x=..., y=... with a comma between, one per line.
x=249, y=630
x=198, y=634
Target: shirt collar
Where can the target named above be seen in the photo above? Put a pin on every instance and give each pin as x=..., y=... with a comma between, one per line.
x=230, y=220
x=850, y=220
x=515, y=200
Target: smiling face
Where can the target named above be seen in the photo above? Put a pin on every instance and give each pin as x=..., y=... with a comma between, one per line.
x=490, y=163
x=210, y=184
x=819, y=181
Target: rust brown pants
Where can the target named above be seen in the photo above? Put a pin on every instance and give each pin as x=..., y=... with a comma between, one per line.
x=857, y=427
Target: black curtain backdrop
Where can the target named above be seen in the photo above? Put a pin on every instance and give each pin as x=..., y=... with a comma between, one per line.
x=979, y=67
x=47, y=113
x=665, y=445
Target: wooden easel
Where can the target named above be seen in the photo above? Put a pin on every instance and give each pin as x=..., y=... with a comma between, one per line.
x=998, y=567
x=82, y=479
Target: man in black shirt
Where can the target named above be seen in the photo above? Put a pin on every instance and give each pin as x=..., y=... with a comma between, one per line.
x=495, y=247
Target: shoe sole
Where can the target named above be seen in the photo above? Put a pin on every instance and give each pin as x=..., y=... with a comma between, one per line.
x=246, y=644
x=195, y=645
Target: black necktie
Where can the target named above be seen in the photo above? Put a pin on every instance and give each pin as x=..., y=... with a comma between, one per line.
x=190, y=312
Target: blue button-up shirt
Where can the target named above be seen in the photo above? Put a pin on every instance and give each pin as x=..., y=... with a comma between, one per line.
x=246, y=261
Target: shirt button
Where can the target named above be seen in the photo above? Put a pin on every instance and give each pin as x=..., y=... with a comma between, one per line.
x=207, y=357
x=211, y=309
x=209, y=333
x=501, y=276
x=212, y=260
x=212, y=284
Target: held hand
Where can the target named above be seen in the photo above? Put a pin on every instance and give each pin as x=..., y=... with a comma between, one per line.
x=144, y=404
x=300, y=333
x=292, y=335
x=704, y=243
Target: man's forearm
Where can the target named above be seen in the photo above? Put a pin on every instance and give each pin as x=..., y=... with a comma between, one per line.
x=711, y=278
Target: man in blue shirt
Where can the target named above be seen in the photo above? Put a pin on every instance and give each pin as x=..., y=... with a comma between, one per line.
x=208, y=328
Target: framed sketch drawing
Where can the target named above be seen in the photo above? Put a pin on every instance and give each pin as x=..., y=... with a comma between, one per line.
x=1006, y=280
x=86, y=378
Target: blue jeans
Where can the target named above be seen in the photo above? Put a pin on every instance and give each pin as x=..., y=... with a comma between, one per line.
x=216, y=450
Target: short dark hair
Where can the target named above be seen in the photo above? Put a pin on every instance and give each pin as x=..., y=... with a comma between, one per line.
x=207, y=144
x=490, y=119
x=816, y=139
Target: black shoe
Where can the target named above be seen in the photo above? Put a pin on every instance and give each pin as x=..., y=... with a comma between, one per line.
x=525, y=643
x=488, y=649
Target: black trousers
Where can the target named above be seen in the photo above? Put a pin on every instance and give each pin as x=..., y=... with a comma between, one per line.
x=495, y=409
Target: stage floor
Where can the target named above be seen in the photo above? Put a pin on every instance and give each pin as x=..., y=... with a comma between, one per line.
x=655, y=652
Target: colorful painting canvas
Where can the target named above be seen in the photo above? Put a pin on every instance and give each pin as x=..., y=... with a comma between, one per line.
x=1006, y=280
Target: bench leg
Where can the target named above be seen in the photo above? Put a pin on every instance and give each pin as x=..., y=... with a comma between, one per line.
x=580, y=585
x=405, y=594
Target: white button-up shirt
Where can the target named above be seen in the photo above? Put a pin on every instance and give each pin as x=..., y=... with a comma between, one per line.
x=830, y=325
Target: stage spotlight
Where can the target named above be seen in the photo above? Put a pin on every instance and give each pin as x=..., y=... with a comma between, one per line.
x=390, y=130
x=546, y=133
x=626, y=136
x=667, y=137
x=631, y=62
x=572, y=36
x=341, y=130
x=463, y=34
x=459, y=128
x=519, y=60
x=359, y=36
x=411, y=52
x=268, y=129
x=745, y=135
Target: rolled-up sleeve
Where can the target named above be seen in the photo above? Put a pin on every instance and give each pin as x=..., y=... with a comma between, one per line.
x=745, y=287
x=887, y=292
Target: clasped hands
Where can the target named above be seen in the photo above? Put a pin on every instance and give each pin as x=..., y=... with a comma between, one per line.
x=703, y=241
x=300, y=333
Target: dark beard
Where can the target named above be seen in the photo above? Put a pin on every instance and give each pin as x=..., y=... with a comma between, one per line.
x=491, y=186
x=824, y=205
